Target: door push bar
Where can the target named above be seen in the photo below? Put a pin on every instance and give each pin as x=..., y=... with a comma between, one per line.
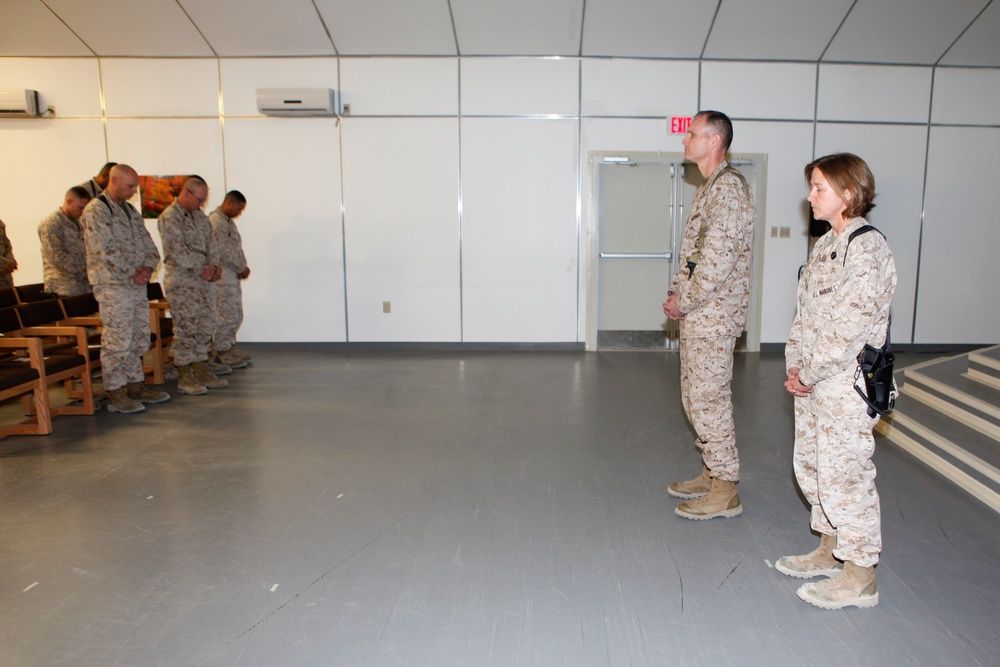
x=637, y=255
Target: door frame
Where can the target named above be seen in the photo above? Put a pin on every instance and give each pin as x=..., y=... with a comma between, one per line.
x=596, y=159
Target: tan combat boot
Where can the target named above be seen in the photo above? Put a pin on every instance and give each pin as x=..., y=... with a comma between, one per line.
x=119, y=401
x=722, y=500
x=233, y=359
x=819, y=562
x=187, y=383
x=201, y=374
x=137, y=391
x=692, y=488
x=216, y=368
x=852, y=587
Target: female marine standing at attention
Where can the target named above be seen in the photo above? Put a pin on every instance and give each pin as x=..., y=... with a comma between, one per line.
x=844, y=295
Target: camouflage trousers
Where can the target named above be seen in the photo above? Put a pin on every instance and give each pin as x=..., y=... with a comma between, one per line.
x=228, y=311
x=194, y=316
x=67, y=287
x=125, y=336
x=6, y=279
x=707, y=396
x=833, y=466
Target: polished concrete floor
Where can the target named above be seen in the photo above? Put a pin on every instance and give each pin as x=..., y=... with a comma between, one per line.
x=356, y=508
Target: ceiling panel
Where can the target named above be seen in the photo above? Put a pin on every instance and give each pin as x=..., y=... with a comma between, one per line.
x=260, y=27
x=775, y=30
x=916, y=32
x=646, y=28
x=913, y=32
x=132, y=28
x=389, y=27
x=28, y=28
x=518, y=27
x=979, y=46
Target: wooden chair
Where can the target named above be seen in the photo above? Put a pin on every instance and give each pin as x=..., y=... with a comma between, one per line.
x=31, y=293
x=161, y=328
x=68, y=356
x=23, y=376
x=8, y=297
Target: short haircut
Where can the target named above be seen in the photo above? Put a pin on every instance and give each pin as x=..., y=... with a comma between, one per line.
x=846, y=171
x=106, y=169
x=720, y=125
x=194, y=179
x=235, y=196
x=78, y=192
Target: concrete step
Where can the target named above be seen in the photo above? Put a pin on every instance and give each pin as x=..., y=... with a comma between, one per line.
x=950, y=420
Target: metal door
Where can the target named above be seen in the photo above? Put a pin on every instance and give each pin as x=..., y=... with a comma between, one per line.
x=641, y=204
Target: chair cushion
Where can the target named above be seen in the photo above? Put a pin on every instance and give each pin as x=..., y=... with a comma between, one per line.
x=14, y=373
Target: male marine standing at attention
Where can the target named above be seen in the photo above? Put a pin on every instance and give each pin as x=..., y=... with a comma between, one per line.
x=190, y=265
x=710, y=296
x=120, y=259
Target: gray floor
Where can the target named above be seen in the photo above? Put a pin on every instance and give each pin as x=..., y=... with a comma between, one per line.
x=420, y=508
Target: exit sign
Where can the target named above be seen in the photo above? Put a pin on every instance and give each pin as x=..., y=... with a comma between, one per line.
x=679, y=124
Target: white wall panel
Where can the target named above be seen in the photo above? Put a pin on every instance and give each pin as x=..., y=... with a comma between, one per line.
x=162, y=88
x=788, y=147
x=168, y=146
x=967, y=96
x=619, y=87
x=402, y=229
x=42, y=159
x=519, y=243
x=778, y=91
x=879, y=94
x=242, y=77
x=895, y=154
x=519, y=86
x=959, y=271
x=71, y=85
x=400, y=86
x=289, y=171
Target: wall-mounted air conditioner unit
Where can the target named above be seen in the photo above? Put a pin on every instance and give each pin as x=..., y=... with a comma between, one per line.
x=19, y=103
x=297, y=101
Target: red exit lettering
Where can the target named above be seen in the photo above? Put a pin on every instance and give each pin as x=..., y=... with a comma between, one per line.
x=679, y=124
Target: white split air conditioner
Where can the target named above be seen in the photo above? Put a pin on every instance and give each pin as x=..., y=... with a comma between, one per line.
x=297, y=101
x=18, y=103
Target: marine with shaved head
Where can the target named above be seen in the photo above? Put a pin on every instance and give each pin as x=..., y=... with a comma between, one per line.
x=121, y=258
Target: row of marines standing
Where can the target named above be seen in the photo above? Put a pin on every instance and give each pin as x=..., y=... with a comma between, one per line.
x=98, y=242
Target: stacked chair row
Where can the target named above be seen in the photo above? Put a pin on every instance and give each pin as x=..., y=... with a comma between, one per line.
x=50, y=340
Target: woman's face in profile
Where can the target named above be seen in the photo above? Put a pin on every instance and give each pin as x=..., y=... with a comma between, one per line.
x=827, y=203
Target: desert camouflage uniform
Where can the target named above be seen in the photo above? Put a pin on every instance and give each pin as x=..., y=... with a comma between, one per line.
x=714, y=299
x=117, y=246
x=228, y=292
x=64, y=255
x=187, y=247
x=92, y=188
x=6, y=258
x=841, y=306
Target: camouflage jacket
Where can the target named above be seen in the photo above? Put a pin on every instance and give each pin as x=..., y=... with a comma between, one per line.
x=64, y=255
x=187, y=239
x=117, y=242
x=843, y=303
x=228, y=242
x=715, y=297
x=6, y=254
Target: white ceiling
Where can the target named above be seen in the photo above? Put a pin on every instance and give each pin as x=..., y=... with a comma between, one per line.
x=911, y=32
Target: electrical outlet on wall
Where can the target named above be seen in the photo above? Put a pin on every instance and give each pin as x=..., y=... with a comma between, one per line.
x=387, y=306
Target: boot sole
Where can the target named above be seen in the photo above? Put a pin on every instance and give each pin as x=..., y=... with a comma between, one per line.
x=192, y=392
x=153, y=401
x=686, y=496
x=866, y=602
x=112, y=408
x=726, y=514
x=807, y=575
